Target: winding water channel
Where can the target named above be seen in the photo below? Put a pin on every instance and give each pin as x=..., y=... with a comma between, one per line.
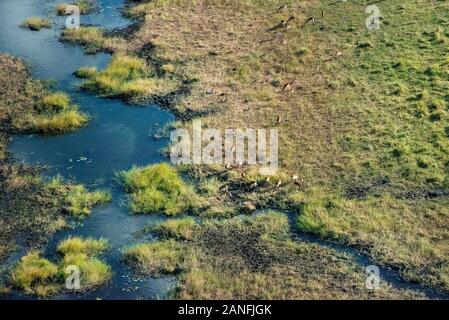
x=117, y=137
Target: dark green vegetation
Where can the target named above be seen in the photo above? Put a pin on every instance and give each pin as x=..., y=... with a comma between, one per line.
x=31, y=208
x=36, y=275
x=363, y=114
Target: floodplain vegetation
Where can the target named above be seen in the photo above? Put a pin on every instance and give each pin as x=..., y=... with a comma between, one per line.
x=34, y=274
x=126, y=77
x=362, y=114
x=52, y=114
x=85, y=7
x=36, y=23
x=92, y=38
x=250, y=258
x=156, y=189
x=364, y=141
x=33, y=208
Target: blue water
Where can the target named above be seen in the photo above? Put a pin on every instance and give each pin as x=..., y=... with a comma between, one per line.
x=117, y=137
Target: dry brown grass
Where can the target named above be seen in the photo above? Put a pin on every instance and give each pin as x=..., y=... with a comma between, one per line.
x=254, y=258
x=352, y=107
x=306, y=81
x=252, y=76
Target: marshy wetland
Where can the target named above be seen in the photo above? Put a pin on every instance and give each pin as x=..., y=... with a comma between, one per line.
x=363, y=149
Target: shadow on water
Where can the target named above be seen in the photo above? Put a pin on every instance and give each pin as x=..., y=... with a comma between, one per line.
x=118, y=137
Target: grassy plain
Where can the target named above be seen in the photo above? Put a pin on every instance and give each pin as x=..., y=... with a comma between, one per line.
x=251, y=258
x=362, y=114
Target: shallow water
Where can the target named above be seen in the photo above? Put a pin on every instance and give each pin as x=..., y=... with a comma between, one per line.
x=117, y=137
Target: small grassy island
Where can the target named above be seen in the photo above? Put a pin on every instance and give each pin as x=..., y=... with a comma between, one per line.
x=36, y=23
x=84, y=6
x=36, y=275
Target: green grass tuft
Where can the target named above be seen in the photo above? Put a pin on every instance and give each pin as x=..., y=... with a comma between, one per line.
x=33, y=274
x=128, y=77
x=85, y=72
x=94, y=272
x=76, y=245
x=61, y=9
x=168, y=68
x=36, y=23
x=83, y=254
x=182, y=229
x=36, y=275
x=56, y=101
x=80, y=201
x=156, y=257
x=85, y=7
x=92, y=37
x=156, y=188
x=67, y=120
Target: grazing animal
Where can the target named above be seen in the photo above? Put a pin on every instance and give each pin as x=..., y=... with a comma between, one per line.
x=313, y=20
x=281, y=8
x=282, y=25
